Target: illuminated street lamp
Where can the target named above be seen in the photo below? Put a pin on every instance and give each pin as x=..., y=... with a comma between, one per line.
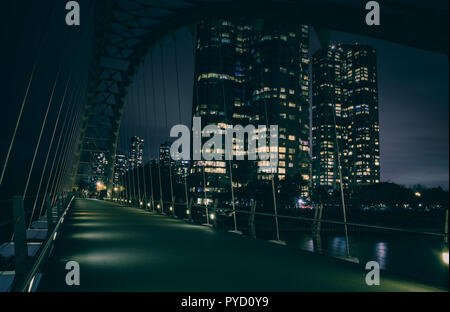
x=417, y=194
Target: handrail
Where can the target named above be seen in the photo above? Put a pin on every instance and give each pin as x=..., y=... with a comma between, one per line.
x=361, y=225
x=27, y=284
x=378, y=227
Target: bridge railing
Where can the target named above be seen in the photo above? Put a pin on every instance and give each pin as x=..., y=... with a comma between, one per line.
x=44, y=252
x=351, y=241
x=419, y=253
x=27, y=240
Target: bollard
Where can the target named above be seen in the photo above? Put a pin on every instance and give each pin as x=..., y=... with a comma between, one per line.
x=446, y=227
x=49, y=208
x=20, y=243
x=251, y=220
x=173, y=208
x=189, y=212
x=213, y=216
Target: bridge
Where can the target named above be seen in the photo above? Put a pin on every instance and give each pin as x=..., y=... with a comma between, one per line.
x=123, y=248
x=143, y=231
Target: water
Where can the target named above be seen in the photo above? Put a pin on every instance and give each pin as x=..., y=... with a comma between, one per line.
x=408, y=254
x=412, y=255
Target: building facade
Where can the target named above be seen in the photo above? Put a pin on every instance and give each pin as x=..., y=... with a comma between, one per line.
x=249, y=73
x=120, y=168
x=135, y=155
x=281, y=97
x=345, y=116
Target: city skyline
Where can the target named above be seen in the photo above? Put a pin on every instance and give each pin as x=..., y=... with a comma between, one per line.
x=395, y=141
x=224, y=146
x=413, y=105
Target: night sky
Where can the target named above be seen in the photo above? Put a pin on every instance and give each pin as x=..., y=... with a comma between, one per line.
x=413, y=97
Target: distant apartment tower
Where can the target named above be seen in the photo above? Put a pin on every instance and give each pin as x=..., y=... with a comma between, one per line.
x=99, y=163
x=281, y=97
x=222, y=96
x=135, y=155
x=345, y=116
x=164, y=154
x=180, y=168
x=120, y=168
x=253, y=73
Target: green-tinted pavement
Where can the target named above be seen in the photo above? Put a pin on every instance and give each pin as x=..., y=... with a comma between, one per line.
x=126, y=249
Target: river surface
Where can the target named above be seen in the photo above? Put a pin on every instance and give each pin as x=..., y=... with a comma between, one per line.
x=418, y=256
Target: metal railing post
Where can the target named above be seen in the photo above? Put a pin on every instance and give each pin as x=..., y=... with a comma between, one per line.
x=446, y=227
x=189, y=211
x=20, y=243
x=251, y=220
x=59, y=205
x=173, y=207
x=214, y=213
x=49, y=208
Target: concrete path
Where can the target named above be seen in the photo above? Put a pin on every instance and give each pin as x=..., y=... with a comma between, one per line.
x=126, y=249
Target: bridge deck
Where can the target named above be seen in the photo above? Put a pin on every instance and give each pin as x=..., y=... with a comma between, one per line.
x=126, y=249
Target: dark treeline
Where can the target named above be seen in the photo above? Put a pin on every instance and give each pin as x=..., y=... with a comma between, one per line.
x=384, y=203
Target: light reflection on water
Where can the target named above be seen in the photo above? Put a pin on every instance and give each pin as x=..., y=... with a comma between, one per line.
x=338, y=245
x=417, y=257
x=381, y=252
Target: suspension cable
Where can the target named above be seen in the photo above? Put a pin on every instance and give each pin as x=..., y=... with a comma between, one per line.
x=50, y=145
x=65, y=131
x=161, y=201
x=179, y=119
x=142, y=116
x=64, y=152
x=229, y=158
x=42, y=129
x=167, y=126
x=146, y=115
x=69, y=147
x=25, y=98
x=57, y=150
x=136, y=168
x=272, y=176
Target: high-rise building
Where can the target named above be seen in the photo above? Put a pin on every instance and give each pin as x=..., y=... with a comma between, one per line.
x=135, y=155
x=164, y=154
x=345, y=116
x=360, y=95
x=120, y=168
x=222, y=96
x=99, y=163
x=251, y=74
x=281, y=97
x=179, y=168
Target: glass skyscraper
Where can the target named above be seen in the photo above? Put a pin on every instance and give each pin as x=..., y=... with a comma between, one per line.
x=250, y=73
x=345, y=116
x=135, y=155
